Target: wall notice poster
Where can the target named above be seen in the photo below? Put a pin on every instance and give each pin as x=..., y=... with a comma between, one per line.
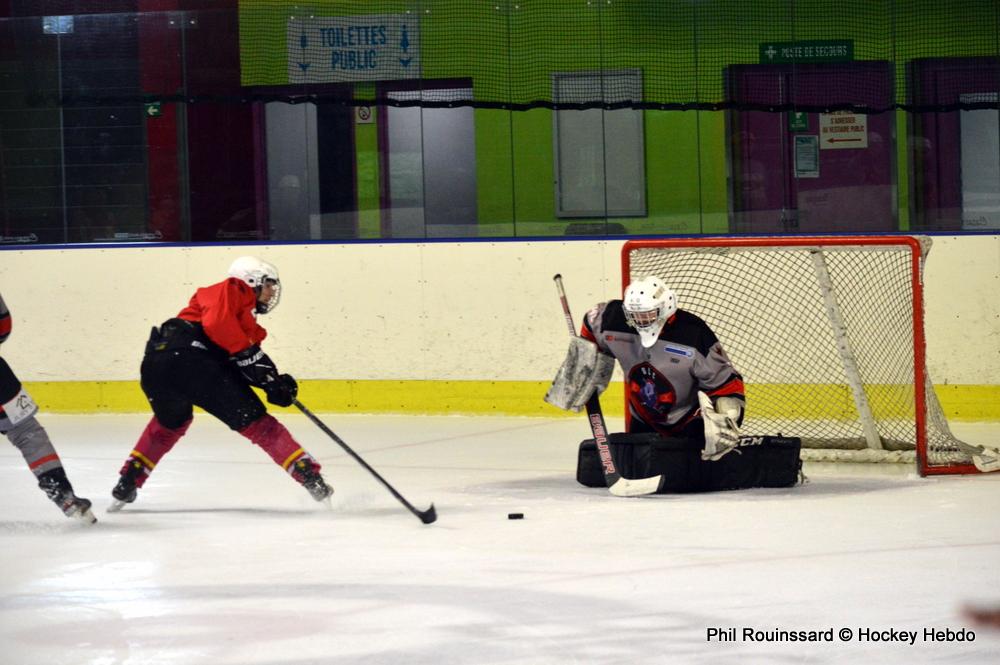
x=807, y=156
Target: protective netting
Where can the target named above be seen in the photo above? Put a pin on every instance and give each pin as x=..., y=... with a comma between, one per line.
x=706, y=54
x=800, y=349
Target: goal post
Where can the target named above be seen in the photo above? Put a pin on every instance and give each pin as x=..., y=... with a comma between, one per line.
x=828, y=333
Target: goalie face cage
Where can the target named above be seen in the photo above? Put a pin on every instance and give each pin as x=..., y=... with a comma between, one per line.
x=827, y=333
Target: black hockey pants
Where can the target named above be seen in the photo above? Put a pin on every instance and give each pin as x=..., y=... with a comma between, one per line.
x=176, y=377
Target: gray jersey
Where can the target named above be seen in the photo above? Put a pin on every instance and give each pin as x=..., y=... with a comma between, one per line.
x=662, y=382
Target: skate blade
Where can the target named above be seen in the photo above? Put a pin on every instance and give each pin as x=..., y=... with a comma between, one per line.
x=116, y=506
x=85, y=516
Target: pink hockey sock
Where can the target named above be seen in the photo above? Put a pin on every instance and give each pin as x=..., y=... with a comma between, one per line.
x=276, y=441
x=154, y=442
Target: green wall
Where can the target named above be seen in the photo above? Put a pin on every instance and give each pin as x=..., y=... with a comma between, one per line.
x=510, y=49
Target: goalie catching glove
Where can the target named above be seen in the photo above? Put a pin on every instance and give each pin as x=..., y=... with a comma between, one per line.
x=722, y=432
x=584, y=372
x=259, y=370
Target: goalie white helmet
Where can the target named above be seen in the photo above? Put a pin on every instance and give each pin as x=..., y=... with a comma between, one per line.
x=648, y=303
x=257, y=274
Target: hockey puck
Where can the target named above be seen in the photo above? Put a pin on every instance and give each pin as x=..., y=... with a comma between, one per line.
x=515, y=516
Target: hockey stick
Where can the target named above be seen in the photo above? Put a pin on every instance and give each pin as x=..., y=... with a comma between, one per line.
x=425, y=516
x=616, y=484
x=987, y=460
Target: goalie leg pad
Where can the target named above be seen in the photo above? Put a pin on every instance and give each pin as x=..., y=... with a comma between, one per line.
x=759, y=461
x=631, y=453
x=584, y=371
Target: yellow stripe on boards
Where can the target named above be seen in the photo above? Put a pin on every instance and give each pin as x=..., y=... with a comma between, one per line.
x=518, y=398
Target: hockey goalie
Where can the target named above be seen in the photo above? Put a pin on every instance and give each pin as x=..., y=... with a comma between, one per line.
x=685, y=399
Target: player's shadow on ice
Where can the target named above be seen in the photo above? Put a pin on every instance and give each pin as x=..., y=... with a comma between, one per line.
x=566, y=485
x=249, y=512
x=56, y=525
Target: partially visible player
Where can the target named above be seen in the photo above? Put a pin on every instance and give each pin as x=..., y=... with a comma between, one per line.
x=209, y=356
x=18, y=423
x=679, y=381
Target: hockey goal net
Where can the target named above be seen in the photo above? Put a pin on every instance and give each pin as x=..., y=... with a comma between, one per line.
x=828, y=335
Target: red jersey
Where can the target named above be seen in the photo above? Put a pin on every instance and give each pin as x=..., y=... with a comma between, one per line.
x=226, y=313
x=5, y=321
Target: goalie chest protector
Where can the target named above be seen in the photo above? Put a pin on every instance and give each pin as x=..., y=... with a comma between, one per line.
x=759, y=461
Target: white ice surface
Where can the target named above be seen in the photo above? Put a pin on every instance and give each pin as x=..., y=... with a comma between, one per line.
x=223, y=559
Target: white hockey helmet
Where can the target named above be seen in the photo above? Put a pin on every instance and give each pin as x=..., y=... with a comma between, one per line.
x=648, y=303
x=256, y=273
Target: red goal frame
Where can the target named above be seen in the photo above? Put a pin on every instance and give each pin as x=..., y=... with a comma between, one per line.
x=916, y=280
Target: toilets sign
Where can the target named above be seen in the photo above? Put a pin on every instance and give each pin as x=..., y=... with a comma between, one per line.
x=325, y=49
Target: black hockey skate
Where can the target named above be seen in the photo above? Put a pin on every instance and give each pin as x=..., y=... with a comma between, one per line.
x=126, y=490
x=306, y=472
x=57, y=487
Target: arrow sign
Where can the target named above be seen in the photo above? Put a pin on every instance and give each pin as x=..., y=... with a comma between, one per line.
x=371, y=47
x=838, y=131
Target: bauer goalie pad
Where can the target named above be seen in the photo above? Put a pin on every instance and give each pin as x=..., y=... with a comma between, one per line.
x=584, y=371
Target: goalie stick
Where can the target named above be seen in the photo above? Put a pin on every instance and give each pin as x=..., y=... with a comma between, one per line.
x=426, y=516
x=987, y=460
x=617, y=485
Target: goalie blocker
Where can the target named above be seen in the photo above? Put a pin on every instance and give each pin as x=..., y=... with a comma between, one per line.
x=757, y=461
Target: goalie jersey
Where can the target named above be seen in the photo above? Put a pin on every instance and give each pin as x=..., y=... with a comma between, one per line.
x=662, y=382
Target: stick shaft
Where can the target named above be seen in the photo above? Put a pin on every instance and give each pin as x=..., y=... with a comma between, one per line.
x=595, y=417
x=565, y=305
x=618, y=485
x=423, y=515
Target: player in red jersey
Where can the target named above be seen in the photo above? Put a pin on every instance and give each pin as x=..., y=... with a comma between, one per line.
x=209, y=356
x=18, y=423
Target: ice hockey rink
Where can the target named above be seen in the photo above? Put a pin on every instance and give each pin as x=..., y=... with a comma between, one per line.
x=223, y=559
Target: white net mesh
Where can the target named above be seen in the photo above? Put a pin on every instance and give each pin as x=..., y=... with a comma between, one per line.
x=802, y=324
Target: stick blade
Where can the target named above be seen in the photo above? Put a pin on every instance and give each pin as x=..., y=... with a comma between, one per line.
x=638, y=487
x=987, y=461
x=429, y=516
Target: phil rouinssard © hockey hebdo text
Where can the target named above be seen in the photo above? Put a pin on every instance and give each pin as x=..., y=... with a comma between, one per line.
x=858, y=634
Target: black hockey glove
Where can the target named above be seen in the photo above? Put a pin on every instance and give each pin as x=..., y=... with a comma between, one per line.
x=283, y=391
x=255, y=366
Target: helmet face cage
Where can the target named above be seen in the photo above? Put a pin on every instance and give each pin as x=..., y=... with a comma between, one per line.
x=256, y=274
x=642, y=319
x=265, y=306
x=647, y=305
